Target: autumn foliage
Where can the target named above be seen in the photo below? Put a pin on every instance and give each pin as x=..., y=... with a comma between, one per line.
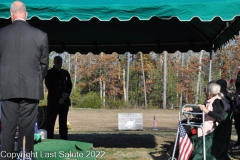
x=105, y=76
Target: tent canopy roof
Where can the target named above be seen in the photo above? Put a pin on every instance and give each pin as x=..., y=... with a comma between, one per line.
x=105, y=10
x=136, y=25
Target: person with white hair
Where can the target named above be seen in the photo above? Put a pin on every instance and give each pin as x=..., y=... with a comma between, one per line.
x=214, y=113
x=213, y=109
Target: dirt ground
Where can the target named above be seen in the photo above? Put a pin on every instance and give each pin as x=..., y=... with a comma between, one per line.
x=100, y=127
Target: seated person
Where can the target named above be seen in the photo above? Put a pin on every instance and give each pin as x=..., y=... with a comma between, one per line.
x=214, y=112
x=214, y=109
x=217, y=119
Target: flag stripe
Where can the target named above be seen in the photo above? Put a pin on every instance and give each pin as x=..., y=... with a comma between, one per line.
x=185, y=145
x=187, y=151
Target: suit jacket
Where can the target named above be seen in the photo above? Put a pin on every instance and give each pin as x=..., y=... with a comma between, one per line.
x=237, y=82
x=57, y=83
x=24, y=57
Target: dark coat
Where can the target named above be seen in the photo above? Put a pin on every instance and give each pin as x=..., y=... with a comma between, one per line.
x=24, y=56
x=58, y=82
x=237, y=82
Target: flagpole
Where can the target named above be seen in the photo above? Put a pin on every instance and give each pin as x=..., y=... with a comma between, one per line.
x=204, y=149
x=24, y=142
x=154, y=123
x=175, y=144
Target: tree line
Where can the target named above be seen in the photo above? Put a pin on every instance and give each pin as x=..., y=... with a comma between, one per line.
x=153, y=80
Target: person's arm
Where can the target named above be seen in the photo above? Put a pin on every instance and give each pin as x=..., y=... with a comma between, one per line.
x=48, y=81
x=45, y=56
x=218, y=110
x=192, y=109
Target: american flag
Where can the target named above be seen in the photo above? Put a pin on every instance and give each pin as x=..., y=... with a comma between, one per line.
x=154, y=121
x=185, y=145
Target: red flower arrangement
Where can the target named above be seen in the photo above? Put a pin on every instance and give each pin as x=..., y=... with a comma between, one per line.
x=194, y=131
x=231, y=81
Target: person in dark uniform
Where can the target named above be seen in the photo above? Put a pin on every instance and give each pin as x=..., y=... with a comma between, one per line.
x=236, y=116
x=227, y=96
x=59, y=85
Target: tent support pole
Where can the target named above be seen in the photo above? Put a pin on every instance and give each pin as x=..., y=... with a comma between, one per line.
x=210, y=65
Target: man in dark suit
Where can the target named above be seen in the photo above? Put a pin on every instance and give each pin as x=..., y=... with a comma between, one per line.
x=59, y=85
x=237, y=82
x=236, y=115
x=24, y=56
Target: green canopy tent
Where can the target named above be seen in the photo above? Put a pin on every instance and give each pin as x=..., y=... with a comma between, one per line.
x=132, y=25
x=137, y=25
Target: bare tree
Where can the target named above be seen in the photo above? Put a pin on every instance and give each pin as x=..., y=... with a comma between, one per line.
x=199, y=76
x=144, y=82
x=165, y=80
x=181, y=93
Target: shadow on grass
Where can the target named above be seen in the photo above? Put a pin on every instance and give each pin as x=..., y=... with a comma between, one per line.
x=120, y=140
x=234, y=153
x=165, y=148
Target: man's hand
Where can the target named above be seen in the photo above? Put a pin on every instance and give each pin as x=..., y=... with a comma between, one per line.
x=65, y=95
x=61, y=100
